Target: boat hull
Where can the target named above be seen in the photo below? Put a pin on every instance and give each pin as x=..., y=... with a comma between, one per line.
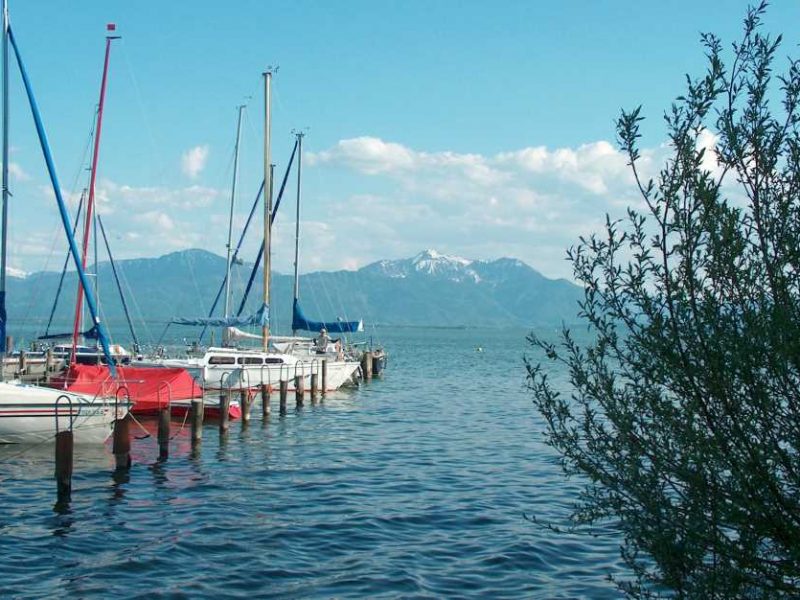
x=237, y=377
x=28, y=415
x=338, y=374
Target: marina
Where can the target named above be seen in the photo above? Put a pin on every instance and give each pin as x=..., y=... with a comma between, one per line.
x=399, y=300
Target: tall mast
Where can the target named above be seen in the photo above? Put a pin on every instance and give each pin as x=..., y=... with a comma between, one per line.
x=233, y=202
x=93, y=177
x=299, y=136
x=4, y=224
x=267, y=197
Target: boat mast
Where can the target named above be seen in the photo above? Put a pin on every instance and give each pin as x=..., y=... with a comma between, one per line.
x=267, y=197
x=4, y=224
x=230, y=219
x=92, y=178
x=299, y=136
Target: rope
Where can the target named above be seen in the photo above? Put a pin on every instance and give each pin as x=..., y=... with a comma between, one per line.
x=146, y=433
x=185, y=417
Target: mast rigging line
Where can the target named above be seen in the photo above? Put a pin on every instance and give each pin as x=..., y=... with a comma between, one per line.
x=272, y=220
x=119, y=285
x=36, y=290
x=63, y=270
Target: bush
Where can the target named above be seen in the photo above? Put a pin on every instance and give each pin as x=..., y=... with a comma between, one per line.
x=684, y=414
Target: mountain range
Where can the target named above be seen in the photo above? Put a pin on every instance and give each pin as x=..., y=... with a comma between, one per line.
x=430, y=289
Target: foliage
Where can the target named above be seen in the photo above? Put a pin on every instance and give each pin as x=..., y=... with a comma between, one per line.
x=684, y=412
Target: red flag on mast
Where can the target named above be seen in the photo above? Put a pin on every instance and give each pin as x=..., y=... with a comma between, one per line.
x=111, y=27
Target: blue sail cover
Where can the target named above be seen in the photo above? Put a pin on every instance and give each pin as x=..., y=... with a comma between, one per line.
x=89, y=334
x=301, y=323
x=260, y=317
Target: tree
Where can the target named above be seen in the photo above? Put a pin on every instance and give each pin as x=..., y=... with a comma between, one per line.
x=683, y=412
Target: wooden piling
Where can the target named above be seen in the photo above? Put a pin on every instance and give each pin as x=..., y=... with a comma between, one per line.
x=265, y=400
x=366, y=365
x=224, y=412
x=48, y=365
x=244, y=401
x=163, y=432
x=299, y=389
x=377, y=362
x=314, y=390
x=284, y=393
x=197, y=420
x=122, y=442
x=324, y=376
x=64, y=456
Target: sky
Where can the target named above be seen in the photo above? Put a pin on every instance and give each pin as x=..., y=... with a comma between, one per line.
x=477, y=129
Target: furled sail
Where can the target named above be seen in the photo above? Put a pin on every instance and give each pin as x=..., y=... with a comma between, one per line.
x=301, y=323
x=260, y=317
x=89, y=334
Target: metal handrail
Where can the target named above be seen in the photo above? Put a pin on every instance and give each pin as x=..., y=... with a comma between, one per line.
x=72, y=416
x=169, y=394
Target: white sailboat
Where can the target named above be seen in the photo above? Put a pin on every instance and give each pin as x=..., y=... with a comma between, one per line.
x=236, y=367
x=30, y=413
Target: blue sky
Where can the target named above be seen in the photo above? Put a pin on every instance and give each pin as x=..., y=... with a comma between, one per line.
x=478, y=129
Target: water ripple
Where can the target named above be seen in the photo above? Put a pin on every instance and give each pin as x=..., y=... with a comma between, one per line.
x=414, y=486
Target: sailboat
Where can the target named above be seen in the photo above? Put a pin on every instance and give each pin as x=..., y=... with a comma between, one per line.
x=148, y=388
x=231, y=366
x=306, y=348
x=30, y=413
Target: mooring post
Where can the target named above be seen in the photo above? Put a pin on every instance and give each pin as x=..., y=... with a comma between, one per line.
x=48, y=364
x=377, y=362
x=224, y=412
x=64, y=456
x=299, y=389
x=163, y=432
x=197, y=420
x=284, y=393
x=314, y=385
x=324, y=376
x=366, y=365
x=122, y=442
x=265, y=400
x=244, y=400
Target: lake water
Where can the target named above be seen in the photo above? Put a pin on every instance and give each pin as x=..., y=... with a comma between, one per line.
x=416, y=485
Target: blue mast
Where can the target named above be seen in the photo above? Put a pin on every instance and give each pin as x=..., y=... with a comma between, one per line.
x=4, y=225
x=102, y=334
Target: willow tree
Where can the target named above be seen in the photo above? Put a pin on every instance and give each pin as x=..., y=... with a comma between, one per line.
x=683, y=411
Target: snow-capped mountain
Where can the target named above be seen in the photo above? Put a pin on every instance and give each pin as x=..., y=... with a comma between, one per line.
x=428, y=289
x=455, y=290
x=428, y=262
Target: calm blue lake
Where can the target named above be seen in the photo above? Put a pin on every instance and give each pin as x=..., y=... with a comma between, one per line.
x=416, y=485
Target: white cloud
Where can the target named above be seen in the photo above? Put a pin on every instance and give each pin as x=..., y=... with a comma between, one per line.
x=531, y=203
x=17, y=173
x=157, y=219
x=368, y=155
x=480, y=206
x=194, y=160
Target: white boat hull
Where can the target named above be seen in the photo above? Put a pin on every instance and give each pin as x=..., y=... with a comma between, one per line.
x=28, y=415
x=239, y=375
x=337, y=374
